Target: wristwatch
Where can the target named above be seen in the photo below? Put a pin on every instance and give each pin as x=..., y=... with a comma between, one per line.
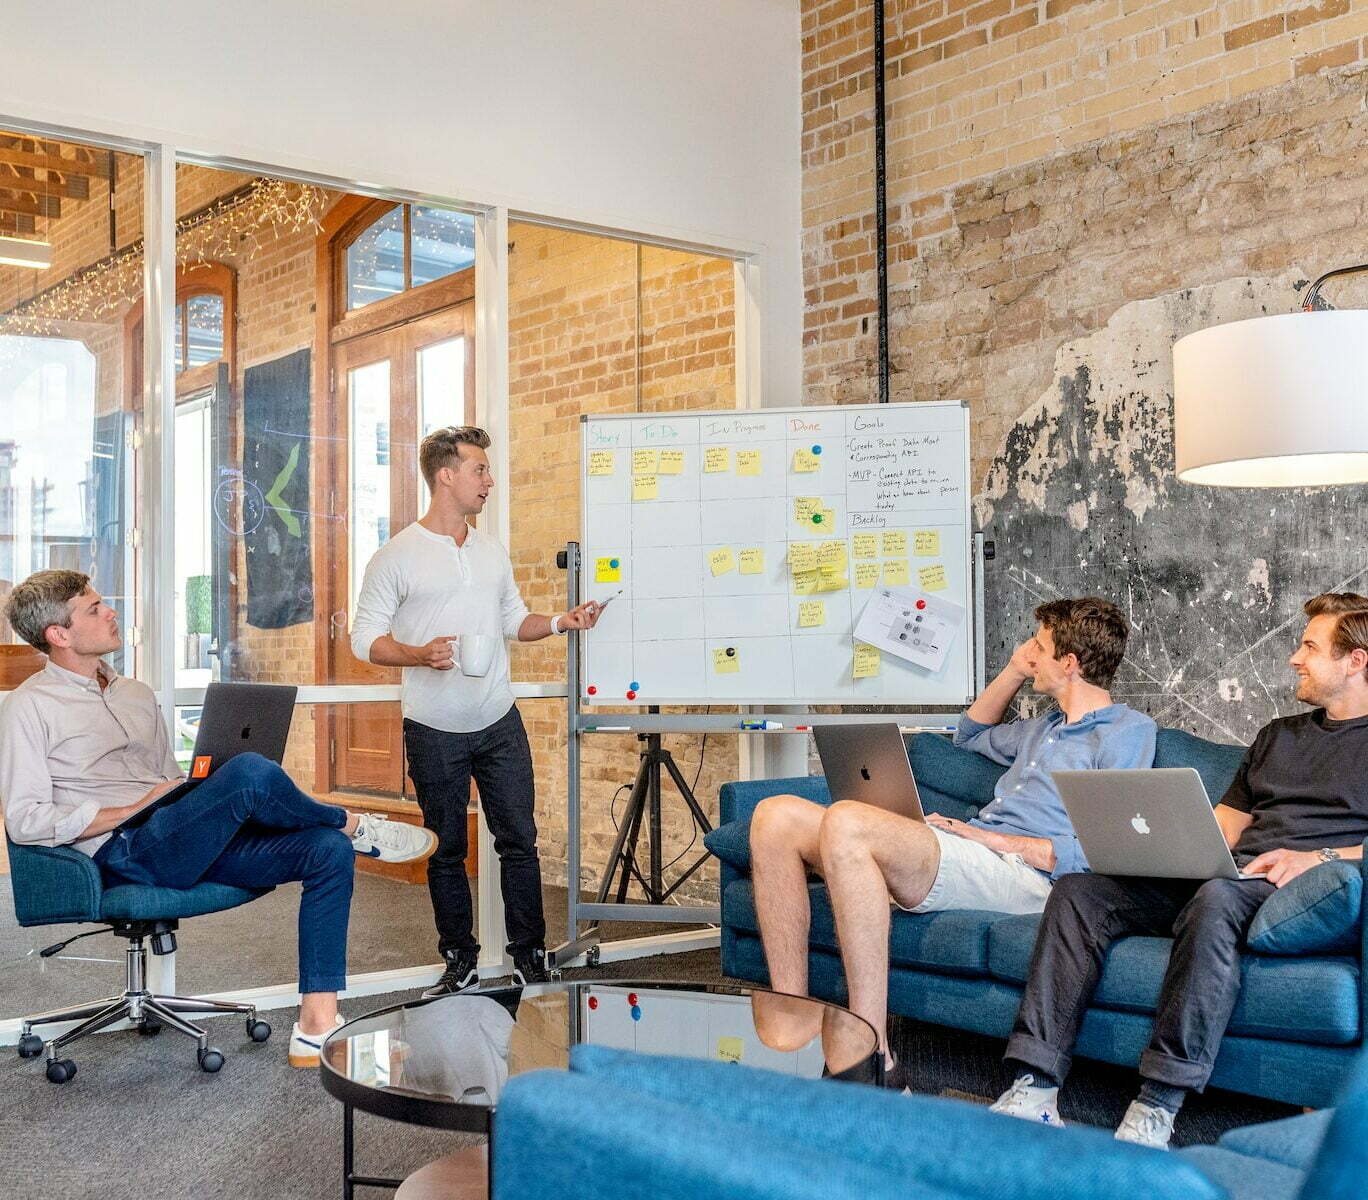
x=1326, y=854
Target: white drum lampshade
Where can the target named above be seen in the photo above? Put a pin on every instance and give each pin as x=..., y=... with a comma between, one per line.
x=1277, y=401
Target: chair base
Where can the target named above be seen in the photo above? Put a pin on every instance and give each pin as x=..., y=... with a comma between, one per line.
x=146, y=1010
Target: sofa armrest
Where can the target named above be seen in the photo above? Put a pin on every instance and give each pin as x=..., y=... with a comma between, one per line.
x=926, y=1145
x=1363, y=942
x=737, y=800
x=53, y=884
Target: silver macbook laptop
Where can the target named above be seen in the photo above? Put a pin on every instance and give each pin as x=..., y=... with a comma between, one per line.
x=869, y=763
x=1156, y=822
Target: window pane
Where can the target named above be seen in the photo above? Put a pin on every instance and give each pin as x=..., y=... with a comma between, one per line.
x=179, y=352
x=205, y=320
x=194, y=549
x=368, y=388
x=441, y=394
x=375, y=261
x=443, y=242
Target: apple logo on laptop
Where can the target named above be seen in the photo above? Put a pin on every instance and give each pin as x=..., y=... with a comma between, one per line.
x=1139, y=824
x=864, y=773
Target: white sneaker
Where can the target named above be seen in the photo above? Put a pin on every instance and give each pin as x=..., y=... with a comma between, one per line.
x=1030, y=1103
x=1146, y=1125
x=305, y=1047
x=391, y=841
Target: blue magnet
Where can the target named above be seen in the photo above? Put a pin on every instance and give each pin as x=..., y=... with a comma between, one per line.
x=816, y=449
x=636, y=1013
x=635, y=686
x=612, y=562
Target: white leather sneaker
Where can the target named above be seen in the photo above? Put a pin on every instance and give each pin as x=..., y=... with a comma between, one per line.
x=391, y=841
x=1146, y=1125
x=305, y=1047
x=1028, y=1102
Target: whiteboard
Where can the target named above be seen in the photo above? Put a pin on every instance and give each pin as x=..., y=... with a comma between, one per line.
x=708, y=524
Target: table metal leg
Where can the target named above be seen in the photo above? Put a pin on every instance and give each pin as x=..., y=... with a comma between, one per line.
x=350, y=1179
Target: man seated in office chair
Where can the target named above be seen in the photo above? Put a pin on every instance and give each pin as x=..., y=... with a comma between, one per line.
x=1299, y=798
x=1005, y=860
x=83, y=749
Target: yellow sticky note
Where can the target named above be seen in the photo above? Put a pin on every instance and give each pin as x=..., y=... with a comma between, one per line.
x=671, y=462
x=894, y=541
x=729, y=1049
x=805, y=582
x=866, y=661
x=748, y=462
x=802, y=556
x=645, y=462
x=645, y=487
x=752, y=561
x=932, y=579
x=831, y=554
x=726, y=661
x=600, y=462
x=866, y=574
x=804, y=507
x=607, y=570
x=805, y=461
x=831, y=583
x=721, y=561
x=811, y=613
x=895, y=572
x=828, y=516
x=926, y=543
x=716, y=458
x=866, y=545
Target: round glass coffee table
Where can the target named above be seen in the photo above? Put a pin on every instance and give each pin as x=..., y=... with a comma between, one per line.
x=442, y=1063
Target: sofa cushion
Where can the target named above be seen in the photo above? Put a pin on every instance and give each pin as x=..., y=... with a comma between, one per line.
x=1295, y=999
x=1293, y=1141
x=1242, y=1177
x=1215, y=762
x=953, y=773
x=1319, y=912
x=949, y=943
x=731, y=843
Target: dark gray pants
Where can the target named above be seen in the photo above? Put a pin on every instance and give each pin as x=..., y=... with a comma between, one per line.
x=1085, y=915
x=441, y=765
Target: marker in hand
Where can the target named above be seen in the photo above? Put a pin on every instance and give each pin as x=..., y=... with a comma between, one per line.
x=596, y=607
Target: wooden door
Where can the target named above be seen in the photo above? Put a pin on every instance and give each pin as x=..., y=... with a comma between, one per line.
x=389, y=389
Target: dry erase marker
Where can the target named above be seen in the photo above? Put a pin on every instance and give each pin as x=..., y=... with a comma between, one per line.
x=600, y=605
x=760, y=725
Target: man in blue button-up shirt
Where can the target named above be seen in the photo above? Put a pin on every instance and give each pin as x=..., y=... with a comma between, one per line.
x=1004, y=860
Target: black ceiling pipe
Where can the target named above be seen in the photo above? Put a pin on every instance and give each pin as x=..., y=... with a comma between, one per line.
x=881, y=198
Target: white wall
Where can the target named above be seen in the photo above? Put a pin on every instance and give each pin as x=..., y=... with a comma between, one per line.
x=678, y=117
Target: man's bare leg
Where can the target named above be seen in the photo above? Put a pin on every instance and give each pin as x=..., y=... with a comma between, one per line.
x=869, y=855
x=784, y=848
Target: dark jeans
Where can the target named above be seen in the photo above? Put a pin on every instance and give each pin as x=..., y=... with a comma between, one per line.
x=441, y=765
x=1085, y=915
x=248, y=826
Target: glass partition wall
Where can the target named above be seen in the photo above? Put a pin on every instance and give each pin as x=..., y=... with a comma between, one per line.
x=315, y=336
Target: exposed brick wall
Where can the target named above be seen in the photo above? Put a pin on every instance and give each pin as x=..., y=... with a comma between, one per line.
x=1039, y=179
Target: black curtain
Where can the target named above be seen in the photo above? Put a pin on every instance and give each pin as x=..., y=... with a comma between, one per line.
x=276, y=518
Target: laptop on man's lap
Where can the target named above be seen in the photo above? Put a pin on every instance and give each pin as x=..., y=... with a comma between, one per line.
x=869, y=764
x=1156, y=822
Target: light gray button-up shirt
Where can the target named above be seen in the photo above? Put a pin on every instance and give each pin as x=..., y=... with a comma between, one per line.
x=69, y=748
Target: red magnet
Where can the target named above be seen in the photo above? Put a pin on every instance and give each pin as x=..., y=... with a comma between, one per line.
x=632, y=999
x=592, y=690
x=631, y=695
x=593, y=1001
x=921, y=603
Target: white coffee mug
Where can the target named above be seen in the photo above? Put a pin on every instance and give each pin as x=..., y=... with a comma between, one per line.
x=477, y=653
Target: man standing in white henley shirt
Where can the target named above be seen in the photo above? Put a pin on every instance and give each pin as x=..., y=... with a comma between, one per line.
x=430, y=585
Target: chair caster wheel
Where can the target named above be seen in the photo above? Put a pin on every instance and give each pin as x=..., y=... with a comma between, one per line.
x=258, y=1031
x=61, y=1070
x=30, y=1046
x=149, y=1028
x=210, y=1060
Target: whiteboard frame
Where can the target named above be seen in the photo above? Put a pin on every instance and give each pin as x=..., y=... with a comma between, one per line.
x=972, y=616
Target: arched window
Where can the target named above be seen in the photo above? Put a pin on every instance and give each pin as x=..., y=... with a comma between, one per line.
x=403, y=246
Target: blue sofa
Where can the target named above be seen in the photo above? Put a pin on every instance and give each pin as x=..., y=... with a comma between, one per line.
x=623, y=1124
x=1295, y=1031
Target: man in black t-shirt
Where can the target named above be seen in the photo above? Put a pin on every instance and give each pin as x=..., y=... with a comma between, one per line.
x=1299, y=799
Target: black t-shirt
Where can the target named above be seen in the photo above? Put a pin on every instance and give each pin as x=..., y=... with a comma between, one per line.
x=1305, y=783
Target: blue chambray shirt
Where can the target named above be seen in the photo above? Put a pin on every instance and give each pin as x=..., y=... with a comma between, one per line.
x=1026, y=801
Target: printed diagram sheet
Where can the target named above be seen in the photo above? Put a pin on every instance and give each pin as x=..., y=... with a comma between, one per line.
x=913, y=625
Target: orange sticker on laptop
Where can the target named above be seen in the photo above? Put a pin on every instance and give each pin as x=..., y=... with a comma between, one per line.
x=201, y=768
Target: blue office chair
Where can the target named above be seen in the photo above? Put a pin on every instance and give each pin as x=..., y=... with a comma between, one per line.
x=61, y=885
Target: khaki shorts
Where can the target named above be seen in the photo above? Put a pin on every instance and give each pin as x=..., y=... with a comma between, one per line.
x=972, y=876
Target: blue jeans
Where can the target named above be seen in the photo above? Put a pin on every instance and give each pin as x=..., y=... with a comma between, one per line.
x=248, y=826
